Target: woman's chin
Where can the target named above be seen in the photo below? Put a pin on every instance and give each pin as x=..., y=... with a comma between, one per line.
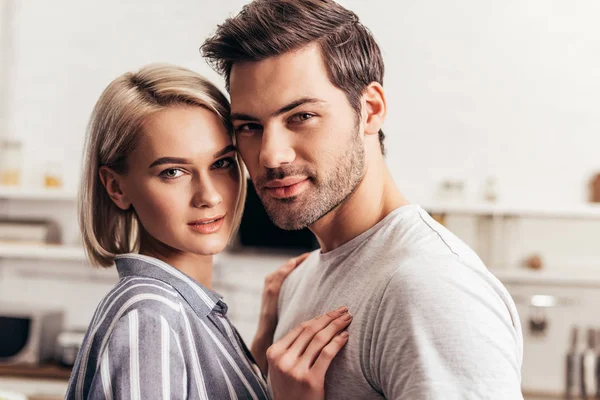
x=209, y=247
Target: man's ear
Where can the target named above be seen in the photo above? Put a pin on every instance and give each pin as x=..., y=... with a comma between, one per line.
x=113, y=184
x=374, y=108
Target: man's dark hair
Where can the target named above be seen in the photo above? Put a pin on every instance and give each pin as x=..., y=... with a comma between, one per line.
x=267, y=28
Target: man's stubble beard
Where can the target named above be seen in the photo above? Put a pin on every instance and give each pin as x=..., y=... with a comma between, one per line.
x=324, y=195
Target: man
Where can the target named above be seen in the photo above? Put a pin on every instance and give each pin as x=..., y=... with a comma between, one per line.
x=430, y=322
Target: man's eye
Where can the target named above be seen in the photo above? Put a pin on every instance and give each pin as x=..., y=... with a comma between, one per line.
x=301, y=117
x=171, y=173
x=247, y=129
x=224, y=163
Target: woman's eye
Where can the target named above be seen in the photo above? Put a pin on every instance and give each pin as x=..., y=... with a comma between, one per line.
x=224, y=163
x=301, y=117
x=171, y=173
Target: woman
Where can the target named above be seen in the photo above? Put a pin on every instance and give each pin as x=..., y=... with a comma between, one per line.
x=162, y=192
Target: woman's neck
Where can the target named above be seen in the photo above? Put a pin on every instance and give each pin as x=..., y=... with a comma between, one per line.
x=198, y=267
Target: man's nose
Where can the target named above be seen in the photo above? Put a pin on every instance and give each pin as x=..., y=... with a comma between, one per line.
x=276, y=148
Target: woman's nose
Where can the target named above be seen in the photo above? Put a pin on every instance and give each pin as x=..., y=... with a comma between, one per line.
x=206, y=194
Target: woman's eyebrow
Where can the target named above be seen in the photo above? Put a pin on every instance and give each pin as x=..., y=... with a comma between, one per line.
x=178, y=160
x=169, y=160
x=225, y=150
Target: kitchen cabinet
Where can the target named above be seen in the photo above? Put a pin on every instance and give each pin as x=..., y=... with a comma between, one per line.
x=32, y=251
x=561, y=307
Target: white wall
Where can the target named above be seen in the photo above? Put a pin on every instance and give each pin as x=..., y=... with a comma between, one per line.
x=475, y=88
x=504, y=88
x=5, y=28
x=68, y=51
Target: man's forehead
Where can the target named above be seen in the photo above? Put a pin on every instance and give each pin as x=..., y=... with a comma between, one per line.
x=299, y=58
x=273, y=83
x=284, y=69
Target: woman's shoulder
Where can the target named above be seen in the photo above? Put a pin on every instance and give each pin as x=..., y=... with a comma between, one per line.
x=132, y=286
x=149, y=297
x=136, y=312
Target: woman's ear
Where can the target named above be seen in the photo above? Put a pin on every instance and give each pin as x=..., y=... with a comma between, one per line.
x=374, y=108
x=113, y=184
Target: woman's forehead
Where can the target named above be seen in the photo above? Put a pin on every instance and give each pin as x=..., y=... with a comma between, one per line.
x=184, y=131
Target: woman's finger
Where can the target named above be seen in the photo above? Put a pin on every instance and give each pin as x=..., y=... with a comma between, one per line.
x=286, y=341
x=312, y=328
x=290, y=339
x=302, y=257
x=323, y=338
x=328, y=354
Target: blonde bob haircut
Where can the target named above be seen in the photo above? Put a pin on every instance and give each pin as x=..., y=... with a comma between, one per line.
x=114, y=130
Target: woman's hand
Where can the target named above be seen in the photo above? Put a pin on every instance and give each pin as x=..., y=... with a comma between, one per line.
x=298, y=361
x=268, y=310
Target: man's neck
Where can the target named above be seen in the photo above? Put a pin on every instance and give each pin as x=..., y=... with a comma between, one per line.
x=374, y=198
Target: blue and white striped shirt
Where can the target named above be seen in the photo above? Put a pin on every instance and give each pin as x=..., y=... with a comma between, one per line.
x=161, y=335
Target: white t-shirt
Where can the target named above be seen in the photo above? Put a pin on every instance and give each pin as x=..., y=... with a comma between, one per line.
x=430, y=321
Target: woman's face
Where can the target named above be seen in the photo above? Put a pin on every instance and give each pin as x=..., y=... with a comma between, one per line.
x=183, y=181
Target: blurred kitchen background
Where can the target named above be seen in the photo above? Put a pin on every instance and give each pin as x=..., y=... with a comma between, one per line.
x=493, y=127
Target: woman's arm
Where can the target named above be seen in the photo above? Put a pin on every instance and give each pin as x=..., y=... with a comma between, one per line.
x=268, y=311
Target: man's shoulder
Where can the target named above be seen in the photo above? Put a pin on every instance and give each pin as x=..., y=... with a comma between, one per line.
x=445, y=288
x=436, y=273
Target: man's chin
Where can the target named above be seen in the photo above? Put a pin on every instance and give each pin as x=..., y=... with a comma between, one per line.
x=290, y=225
x=288, y=219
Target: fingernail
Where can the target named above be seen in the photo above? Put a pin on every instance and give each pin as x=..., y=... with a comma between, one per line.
x=347, y=317
x=342, y=309
x=344, y=334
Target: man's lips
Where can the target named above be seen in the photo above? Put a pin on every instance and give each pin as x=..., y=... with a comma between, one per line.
x=287, y=187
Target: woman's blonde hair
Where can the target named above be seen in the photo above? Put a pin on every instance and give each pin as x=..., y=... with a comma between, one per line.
x=114, y=131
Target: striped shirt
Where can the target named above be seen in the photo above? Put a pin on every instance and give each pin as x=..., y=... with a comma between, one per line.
x=161, y=335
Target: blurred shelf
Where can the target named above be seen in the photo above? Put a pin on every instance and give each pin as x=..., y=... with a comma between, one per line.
x=18, y=193
x=556, y=277
x=45, y=371
x=41, y=252
x=578, y=211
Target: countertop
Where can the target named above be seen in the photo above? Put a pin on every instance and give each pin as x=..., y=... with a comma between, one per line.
x=46, y=371
x=542, y=396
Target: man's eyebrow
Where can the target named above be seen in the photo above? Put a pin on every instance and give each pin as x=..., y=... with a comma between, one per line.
x=282, y=110
x=297, y=103
x=242, y=117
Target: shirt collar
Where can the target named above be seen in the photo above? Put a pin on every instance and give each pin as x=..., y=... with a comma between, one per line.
x=202, y=300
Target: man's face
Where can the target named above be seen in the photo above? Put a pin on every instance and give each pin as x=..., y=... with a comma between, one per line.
x=298, y=135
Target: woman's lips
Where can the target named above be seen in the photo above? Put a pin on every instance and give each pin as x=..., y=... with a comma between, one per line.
x=285, y=188
x=207, y=226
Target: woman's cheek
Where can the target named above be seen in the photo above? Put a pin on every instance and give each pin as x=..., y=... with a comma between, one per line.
x=163, y=202
x=230, y=187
